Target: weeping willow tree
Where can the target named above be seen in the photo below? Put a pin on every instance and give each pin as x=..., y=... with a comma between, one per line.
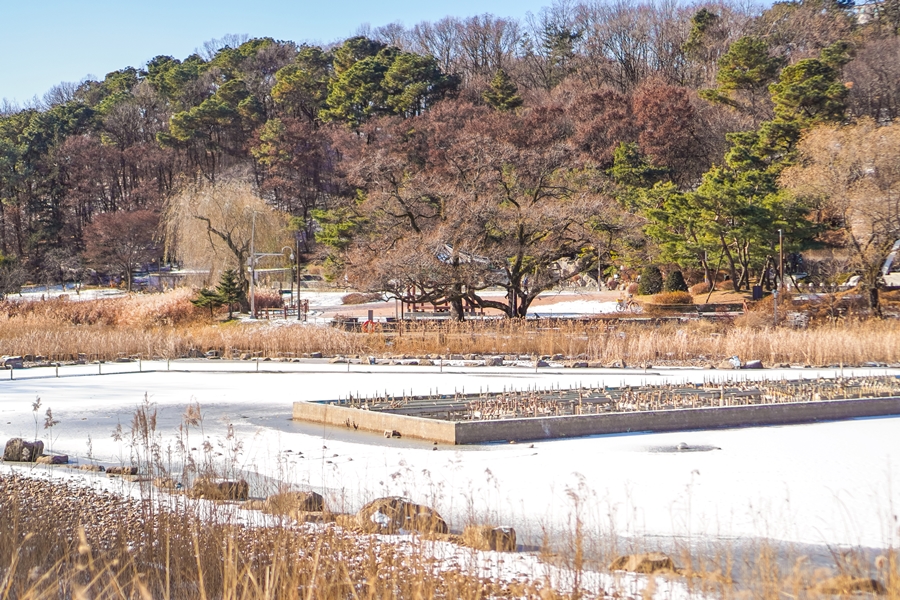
x=211, y=228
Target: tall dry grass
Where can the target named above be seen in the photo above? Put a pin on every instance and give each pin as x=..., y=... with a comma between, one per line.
x=167, y=325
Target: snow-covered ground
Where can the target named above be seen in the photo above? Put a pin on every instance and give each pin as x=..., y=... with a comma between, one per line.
x=828, y=483
x=46, y=292
x=573, y=308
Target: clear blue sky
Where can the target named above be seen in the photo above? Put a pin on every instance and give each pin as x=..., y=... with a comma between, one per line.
x=44, y=42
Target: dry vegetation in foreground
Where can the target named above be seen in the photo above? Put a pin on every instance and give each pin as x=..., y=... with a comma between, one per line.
x=169, y=326
x=58, y=540
x=61, y=540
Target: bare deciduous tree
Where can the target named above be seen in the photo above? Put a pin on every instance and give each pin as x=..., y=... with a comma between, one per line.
x=854, y=173
x=211, y=228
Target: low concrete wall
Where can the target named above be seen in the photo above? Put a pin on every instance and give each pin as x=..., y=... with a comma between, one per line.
x=369, y=420
x=474, y=432
x=687, y=419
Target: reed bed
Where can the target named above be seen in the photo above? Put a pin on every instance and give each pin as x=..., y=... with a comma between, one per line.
x=59, y=540
x=168, y=326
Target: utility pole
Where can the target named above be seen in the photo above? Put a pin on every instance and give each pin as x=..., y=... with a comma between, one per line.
x=298, y=236
x=252, y=270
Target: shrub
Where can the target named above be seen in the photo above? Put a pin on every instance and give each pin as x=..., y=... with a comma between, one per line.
x=632, y=289
x=725, y=286
x=673, y=298
x=700, y=288
x=675, y=282
x=651, y=281
x=268, y=299
x=358, y=298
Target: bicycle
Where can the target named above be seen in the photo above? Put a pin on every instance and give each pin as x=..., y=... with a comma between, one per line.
x=628, y=304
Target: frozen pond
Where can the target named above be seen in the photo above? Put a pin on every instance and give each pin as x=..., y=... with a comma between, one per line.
x=828, y=483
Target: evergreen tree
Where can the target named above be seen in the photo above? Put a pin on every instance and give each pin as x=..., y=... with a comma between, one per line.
x=230, y=290
x=651, y=281
x=503, y=94
x=208, y=298
x=675, y=282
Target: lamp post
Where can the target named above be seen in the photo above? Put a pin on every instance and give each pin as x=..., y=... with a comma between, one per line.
x=251, y=263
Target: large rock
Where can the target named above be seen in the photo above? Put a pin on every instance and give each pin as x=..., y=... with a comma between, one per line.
x=220, y=490
x=488, y=537
x=18, y=450
x=290, y=503
x=493, y=361
x=12, y=362
x=651, y=562
x=846, y=585
x=753, y=364
x=390, y=515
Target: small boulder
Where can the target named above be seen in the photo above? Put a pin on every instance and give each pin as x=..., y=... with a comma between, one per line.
x=542, y=363
x=493, y=361
x=487, y=537
x=56, y=459
x=220, y=490
x=18, y=450
x=390, y=515
x=288, y=503
x=580, y=365
x=753, y=364
x=121, y=471
x=846, y=585
x=651, y=562
x=165, y=483
x=94, y=468
x=315, y=355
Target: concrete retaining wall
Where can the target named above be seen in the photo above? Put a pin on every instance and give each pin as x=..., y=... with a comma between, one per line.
x=475, y=432
x=369, y=420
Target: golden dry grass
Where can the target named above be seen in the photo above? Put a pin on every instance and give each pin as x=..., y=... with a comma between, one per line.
x=167, y=325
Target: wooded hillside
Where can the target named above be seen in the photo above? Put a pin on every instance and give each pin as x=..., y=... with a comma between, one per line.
x=466, y=153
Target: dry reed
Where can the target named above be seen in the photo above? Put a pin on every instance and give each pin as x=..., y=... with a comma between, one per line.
x=167, y=325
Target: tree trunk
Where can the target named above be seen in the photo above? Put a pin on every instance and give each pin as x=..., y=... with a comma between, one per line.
x=874, y=301
x=731, y=266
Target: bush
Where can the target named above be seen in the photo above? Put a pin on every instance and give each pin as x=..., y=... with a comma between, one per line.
x=358, y=298
x=725, y=286
x=651, y=281
x=700, y=288
x=673, y=298
x=268, y=299
x=632, y=289
x=675, y=282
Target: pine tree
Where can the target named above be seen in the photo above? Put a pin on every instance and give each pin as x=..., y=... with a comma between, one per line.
x=675, y=282
x=230, y=290
x=208, y=298
x=503, y=94
x=651, y=281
